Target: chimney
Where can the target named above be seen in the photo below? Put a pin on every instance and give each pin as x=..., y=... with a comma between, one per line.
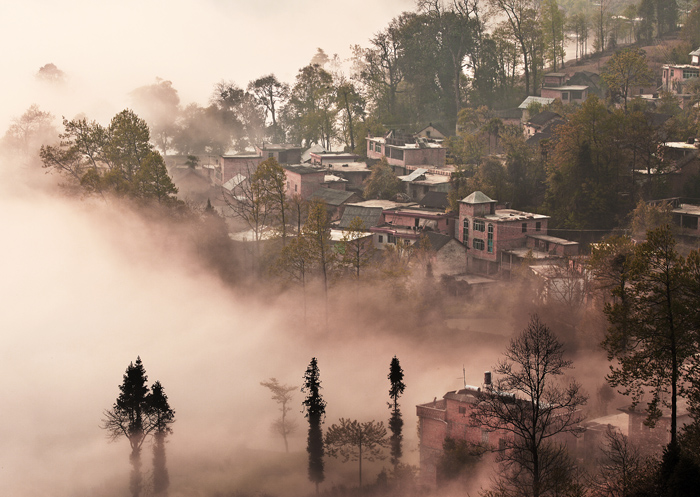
x=487, y=379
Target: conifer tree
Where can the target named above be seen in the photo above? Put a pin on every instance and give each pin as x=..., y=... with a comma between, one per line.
x=162, y=417
x=315, y=408
x=396, y=421
x=130, y=417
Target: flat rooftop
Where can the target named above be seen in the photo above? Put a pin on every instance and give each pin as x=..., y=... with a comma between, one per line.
x=513, y=215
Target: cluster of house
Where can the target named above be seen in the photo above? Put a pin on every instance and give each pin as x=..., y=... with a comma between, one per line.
x=450, y=417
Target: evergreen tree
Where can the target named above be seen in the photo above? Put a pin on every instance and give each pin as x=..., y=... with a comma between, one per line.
x=396, y=421
x=315, y=408
x=162, y=417
x=129, y=417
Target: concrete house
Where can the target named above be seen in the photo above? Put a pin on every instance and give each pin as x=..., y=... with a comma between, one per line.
x=303, y=180
x=404, y=150
x=567, y=94
x=450, y=417
x=497, y=239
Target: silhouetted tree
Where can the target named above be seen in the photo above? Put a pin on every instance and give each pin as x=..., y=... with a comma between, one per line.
x=396, y=421
x=354, y=441
x=281, y=394
x=528, y=406
x=315, y=408
x=130, y=417
x=162, y=417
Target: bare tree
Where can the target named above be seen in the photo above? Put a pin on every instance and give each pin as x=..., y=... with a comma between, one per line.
x=281, y=394
x=619, y=468
x=355, y=441
x=531, y=409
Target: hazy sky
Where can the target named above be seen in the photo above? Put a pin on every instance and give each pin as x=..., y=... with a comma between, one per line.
x=109, y=48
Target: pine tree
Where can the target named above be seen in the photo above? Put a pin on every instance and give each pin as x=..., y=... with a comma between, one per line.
x=396, y=421
x=315, y=408
x=162, y=417
x=129, y=417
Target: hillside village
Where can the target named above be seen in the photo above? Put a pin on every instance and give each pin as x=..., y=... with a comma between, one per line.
x=459, y=179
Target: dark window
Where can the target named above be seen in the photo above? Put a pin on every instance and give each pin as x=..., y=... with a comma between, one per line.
x=381, y=238
x=478, y=244
x=479, y=225
x=538, y=226
x=465, y=232
x=270, y=155
x=390, y=239
x=462, y=410
x=490, y=239
x=564, y=95
x=524, y=227
x=690, y=222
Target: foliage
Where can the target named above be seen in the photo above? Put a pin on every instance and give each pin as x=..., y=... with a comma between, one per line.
x=137, y=414
x=272, y=181
x=317, y=231
x=396, y=421
x=271, y=94
x=626, y=68
x=118, y=160
x=528, y=407
x=315, y=409
x=652, y=336
x=23, y=138
x=355, y=441
x=281, y=394
x=620, y=469
x=159, y=104
x=164, y=416
x=382, y=182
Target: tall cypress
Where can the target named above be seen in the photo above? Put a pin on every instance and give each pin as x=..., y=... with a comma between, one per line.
x=315, y=410
x=396, y=421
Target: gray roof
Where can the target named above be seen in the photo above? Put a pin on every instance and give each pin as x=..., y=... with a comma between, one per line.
x=330, y=196
x=695, y=52
x=435, y=200
x=370, y=216
x=437, y=240
x=477, y=198
x=414, y=175
x=543, y=117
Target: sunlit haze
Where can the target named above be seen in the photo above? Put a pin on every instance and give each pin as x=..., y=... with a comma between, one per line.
x=108, y=49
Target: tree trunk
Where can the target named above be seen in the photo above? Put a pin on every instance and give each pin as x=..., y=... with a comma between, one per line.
x=135, y=479
x=161, y=479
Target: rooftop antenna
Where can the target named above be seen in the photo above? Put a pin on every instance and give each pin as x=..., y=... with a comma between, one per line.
x=464, y=376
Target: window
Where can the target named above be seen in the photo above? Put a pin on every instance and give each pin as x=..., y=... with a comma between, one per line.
x=524, y=227
x=538, y=226
x=295, y=187
x=689, y=73
x=390, y=239
x=465, y=232
x=478, y=244
x=270, y=155
x=381, y=238
x=490, y=239
x=671, y=72
x=564, y=96
x=462, y=410
x=484, y=436
x=479, y=225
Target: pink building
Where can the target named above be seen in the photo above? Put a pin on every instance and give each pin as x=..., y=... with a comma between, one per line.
x=498, y=238
x=449, y=417
x=674, y=77
x=303, y=180
x=283, y=153
x=404, y=150
x=324, y=158
x=244, y=164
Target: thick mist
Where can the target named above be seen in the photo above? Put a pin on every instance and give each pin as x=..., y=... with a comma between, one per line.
x=108, y=49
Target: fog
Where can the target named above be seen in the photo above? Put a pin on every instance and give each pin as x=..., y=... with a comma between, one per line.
x=88, y=285
x=108, y=49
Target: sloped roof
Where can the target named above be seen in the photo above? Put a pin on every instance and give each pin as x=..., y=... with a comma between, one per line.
x=477, y=198
x=543, y=117
x=434, y=200
x=531, y=99
x=370, y=216
x=695, y=52
x=414, y=175
x=234, y=182
x=330, y=196
x=437, y=240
